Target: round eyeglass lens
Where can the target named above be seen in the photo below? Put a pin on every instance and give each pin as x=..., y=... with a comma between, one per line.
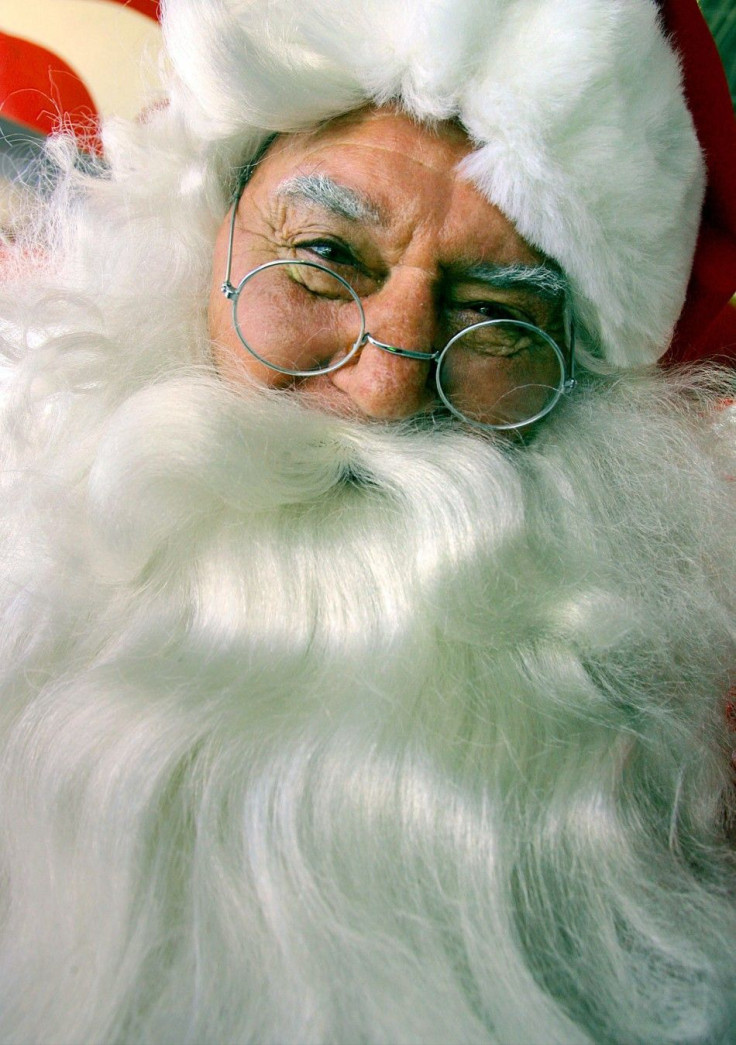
x=298, y=317
x=502, y=373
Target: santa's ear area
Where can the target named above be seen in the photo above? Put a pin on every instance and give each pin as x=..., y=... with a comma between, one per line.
x=707, y=324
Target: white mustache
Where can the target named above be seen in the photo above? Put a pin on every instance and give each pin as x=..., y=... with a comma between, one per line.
x=187, y=449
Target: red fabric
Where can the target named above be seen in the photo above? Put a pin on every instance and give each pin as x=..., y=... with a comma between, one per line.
x=146, y=7
x=39, y=90
x=707, y=326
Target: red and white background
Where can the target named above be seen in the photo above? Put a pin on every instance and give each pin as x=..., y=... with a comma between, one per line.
x=70, y=62
x=77, y=57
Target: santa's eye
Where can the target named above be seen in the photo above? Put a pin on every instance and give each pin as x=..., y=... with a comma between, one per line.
x=466, y=313
x=328, y=251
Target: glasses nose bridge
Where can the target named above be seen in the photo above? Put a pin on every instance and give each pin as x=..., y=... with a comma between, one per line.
x=401, y=317
x=397, y=350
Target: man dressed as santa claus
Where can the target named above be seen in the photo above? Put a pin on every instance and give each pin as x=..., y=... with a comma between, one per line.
x=368, y=606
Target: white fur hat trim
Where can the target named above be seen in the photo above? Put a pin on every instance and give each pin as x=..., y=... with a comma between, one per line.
x=584, y=139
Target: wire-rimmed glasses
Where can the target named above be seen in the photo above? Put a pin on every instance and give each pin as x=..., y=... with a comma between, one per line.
x=302, y=319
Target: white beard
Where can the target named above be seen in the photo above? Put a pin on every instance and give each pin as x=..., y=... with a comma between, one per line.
x=324, y=732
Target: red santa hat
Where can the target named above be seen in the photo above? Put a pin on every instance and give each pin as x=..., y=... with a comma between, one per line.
x=577, y=108
x=707, y=324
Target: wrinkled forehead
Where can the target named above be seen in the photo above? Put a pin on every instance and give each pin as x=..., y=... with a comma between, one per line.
x=442, y=143
x=383, y=167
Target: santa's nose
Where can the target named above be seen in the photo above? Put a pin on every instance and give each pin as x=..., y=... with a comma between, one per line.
x=387, y=386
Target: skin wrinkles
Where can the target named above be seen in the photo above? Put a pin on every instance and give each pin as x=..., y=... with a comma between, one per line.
x=380, y=197
x=344, y=202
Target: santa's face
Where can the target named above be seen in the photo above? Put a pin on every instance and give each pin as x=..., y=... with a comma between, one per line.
x=380, y=200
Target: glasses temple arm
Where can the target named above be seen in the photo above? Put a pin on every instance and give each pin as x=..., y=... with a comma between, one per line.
x=570, y=380
x=227, y=288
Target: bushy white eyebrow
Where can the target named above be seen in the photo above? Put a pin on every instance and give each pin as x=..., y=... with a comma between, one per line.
x=541, y=279
x=338, y=199
x=348, y=203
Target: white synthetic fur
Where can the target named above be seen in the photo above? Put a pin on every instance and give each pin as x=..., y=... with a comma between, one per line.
x=584, y=140
x=315, y=731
